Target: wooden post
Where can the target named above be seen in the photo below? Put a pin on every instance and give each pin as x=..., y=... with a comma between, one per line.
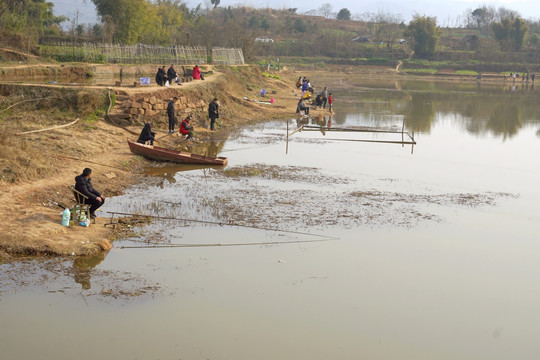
x=287, y=146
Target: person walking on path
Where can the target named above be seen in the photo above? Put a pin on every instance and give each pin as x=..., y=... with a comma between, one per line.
x=213, y=112
x=83, y=184
x=170, y=113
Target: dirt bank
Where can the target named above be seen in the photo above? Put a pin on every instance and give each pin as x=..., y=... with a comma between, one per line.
x=37, y=168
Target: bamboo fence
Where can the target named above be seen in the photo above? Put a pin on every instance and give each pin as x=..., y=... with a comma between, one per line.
x=223, y=56
x=140, y=54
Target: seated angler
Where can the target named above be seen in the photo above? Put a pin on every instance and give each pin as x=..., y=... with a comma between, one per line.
x=172, y=75
x=318, y=100
x=83, y=184
x=302, y=108
x=161, y=76
x=197, y=74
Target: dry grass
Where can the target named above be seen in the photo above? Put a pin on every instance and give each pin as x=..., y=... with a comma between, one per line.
x=27, y=157
x=19, y=159
x=88, y=101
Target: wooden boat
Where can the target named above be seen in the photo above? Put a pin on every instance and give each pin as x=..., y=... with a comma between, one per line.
x=161, y=154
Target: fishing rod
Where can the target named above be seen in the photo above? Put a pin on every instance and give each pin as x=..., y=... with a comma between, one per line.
x=221, y=224
x=91, y=162
x=247, y=148
x=221, y=245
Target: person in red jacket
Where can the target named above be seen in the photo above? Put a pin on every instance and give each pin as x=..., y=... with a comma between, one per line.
x=197, y=74
x=186, y=128
x=330, y=102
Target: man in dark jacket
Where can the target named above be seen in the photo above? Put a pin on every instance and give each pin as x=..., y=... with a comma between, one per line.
x=147, y=134
x=171, y=113
x=172, y=76
x=83, y=184
x=161, y=76
x=213, y=112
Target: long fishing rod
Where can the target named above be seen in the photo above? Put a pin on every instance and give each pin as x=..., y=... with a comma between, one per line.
x=91, y=162
x=374, y=141
x=222, y=224
x=221, y=245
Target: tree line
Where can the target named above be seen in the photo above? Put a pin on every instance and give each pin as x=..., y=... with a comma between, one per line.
x=172, y=22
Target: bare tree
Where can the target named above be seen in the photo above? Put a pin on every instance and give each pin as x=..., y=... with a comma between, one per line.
x=385, y=26
x=325, y=10
x=503, y=13
x=75, y=22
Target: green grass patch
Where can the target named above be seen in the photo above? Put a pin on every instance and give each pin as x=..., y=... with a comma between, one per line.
x=466, y=72
x=267, y=75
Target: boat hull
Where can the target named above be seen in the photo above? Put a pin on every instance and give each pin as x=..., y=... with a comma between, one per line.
x=161, y=154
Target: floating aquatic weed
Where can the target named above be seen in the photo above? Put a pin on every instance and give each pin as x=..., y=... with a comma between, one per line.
x=284, y=173
x=465, y=199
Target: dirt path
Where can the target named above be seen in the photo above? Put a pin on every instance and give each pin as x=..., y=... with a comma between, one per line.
x=32, y=220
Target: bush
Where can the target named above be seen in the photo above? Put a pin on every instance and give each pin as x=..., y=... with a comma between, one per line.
x=267, y=75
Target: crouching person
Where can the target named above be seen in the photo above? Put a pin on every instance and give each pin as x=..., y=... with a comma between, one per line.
x=147, y=135
x=186, y=128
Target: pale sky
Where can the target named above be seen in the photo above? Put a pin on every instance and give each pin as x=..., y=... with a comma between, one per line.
x=446, y=11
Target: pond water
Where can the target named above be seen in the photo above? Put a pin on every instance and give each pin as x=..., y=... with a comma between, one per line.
x=384, y=251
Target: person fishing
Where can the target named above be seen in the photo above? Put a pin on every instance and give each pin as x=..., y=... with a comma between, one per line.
x=172, y=75
x=301, y=108
x=161, y=76
x=83, y=184
x=197, y=74
x=171, y=114
x=147, y=135
x=186, y=128
x=213, y=112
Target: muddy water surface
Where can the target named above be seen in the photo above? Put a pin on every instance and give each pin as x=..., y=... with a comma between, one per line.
x=428, y=252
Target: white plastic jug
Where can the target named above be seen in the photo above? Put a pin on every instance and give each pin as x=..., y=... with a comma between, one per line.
x=66, y=215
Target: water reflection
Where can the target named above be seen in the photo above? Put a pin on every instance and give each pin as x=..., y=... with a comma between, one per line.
x=501, y=109
x=210, y=147
x=83, y=266
x=505, y=120
x=420, y=112
x=169, y=171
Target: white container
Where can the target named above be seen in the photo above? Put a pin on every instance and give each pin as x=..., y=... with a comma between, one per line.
x=66, y=215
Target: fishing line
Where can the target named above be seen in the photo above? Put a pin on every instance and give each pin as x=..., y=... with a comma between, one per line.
x=221, y=245
x=223, y=224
